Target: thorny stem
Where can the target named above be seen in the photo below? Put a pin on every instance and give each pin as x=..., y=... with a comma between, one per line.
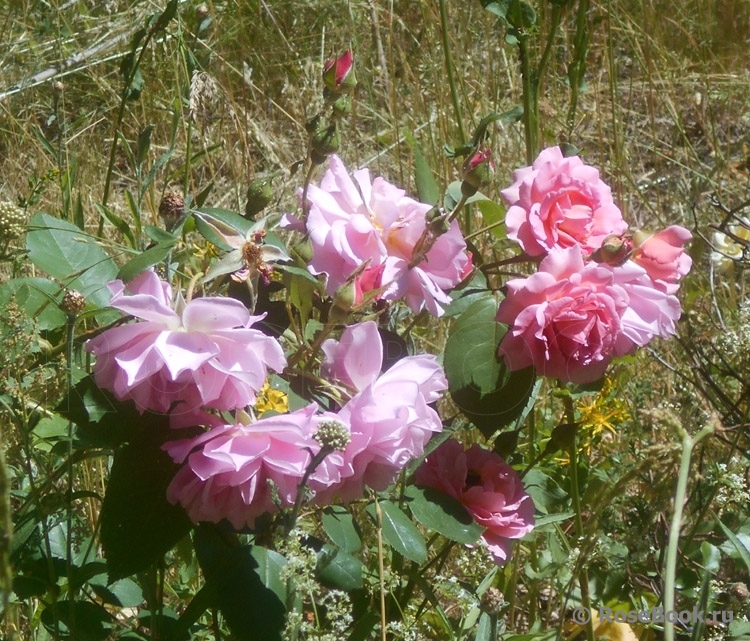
x=429, y=235
x=71, y=324
x=317, y=459
x=381, y=572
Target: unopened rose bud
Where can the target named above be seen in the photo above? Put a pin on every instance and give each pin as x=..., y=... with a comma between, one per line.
x=324, y=142
x=259, y=195
x=614, y=251
x=73, y=302
x=347, y=296
x=478, y=172
x=338, y=74
x=12, y=221
x=333, y=435
x=303, y=250
x=171, y=209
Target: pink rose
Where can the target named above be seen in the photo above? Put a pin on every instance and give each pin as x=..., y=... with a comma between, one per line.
x=352, y=221
x=227, y=470
x=200, y=354
x=565, y=320
x=490, y=490
x=663, y=255
x=560, y=202
x=356, y=358
x=389, y=416
x=651, y=311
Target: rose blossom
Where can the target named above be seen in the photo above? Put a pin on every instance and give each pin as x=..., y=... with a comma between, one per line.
x=227, y=470
x=560, y=202
x=663, y=255
x=565, y=320
x=200, y=354
x=352, y=221
x=490, y=490
x=389, y=416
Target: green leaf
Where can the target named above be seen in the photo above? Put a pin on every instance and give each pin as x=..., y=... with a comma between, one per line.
x=135, y=211
x=253, y=611
x=124, y=593
x=400, y=533
x=270, y=565
x=553, y=518
x=498, y=7
x=71, y=256
x=138, y=524
x=118, y=223
x=442, y=513
x=339, y=525
x=742, y=549
x=144, y=260
x=427, y=186
x=81, y=620
x=337, y=569
x=711, y=556
x=485, y=391
x=144, y=144
x=484, y=628
x=492, y=213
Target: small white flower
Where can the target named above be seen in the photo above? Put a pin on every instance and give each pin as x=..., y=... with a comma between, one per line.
x=726, y=248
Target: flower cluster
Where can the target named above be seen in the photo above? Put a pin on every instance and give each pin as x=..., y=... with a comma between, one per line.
x=599, y=293
x=489, y=489
x=354, y=222
x=240, y=471
x=182, y=356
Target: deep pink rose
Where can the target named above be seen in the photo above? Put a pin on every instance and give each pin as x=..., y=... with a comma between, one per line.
x=663, y=255
x=560, y=202
x=227, y=470
x=565, y=320
x=389, y=417
x=490, y=490
x=353, y=220
x=200, y=354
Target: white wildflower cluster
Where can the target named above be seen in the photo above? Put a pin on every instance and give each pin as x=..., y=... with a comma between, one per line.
x=735, y=341
x=299, y=574
x=733, y=487
x=461, y=600
x=474, y=562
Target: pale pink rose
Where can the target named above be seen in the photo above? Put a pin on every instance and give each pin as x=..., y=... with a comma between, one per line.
x=560, y=202
x=227, y=470
x=353, y=220
x=356, y=358
x=390, y=422
x=565, y=320
x=200, y=354
x=651, y=311
x=490, y=490
x=663, y=255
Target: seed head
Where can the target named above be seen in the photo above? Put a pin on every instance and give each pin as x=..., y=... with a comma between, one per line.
x=333, y=434
x=171, y=209
x=73, y=303
x=12, y=221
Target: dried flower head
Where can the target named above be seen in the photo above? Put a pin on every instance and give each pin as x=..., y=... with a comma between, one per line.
x=171, y=209
x=73, y=303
